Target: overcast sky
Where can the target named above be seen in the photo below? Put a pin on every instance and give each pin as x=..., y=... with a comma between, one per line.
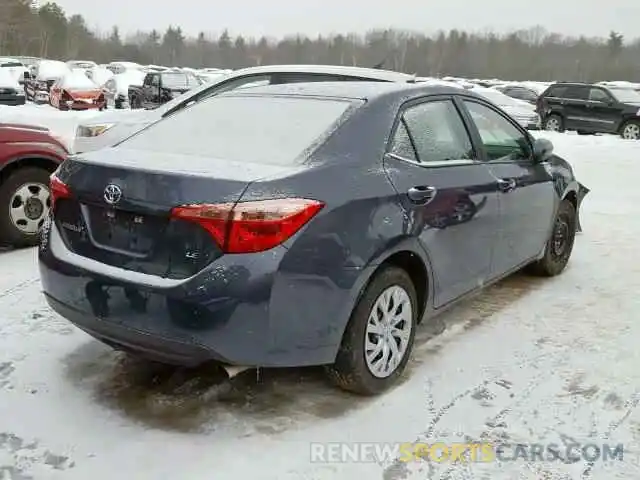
x=280, y=17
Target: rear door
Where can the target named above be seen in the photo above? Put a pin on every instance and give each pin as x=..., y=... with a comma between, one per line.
x=527, y=194
x=576, y=107
x=449, y=195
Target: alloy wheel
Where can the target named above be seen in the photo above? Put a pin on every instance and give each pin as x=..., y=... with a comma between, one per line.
x=553, y=124
x=631, y=132
x=388, y=331
x=29, y=206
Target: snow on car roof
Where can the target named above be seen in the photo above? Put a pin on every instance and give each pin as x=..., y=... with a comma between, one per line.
x=77, y=79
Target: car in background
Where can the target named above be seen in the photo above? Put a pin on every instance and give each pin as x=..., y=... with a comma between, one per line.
x=524, y=113
x=99, y=75
x=160, y=87
x=11, y=92
x=116, y=89
x=41, y=78
x=519, y=92
x=81, y=64
x=315, y=224
x=76, y=91
x=15, y=68
x=28, y=156
x=110, y=128
x=591, y=108
x=121, y=67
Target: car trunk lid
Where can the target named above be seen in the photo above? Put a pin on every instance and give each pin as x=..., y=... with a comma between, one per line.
x=119, y=210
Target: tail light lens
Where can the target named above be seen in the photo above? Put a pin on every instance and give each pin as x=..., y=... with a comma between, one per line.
x=58, y=190
x=249, y=227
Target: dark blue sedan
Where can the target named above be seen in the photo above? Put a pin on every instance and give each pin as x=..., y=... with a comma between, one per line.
x=314, y=224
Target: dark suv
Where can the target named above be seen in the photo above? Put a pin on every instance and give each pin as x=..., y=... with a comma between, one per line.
x=590, y=108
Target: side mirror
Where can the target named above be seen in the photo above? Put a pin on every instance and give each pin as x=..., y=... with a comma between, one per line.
x=542, y=149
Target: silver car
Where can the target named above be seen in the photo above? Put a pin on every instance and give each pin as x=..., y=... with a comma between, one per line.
x=110, y=128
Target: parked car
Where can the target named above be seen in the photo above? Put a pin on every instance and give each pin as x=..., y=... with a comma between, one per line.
x=11, y=93
x=15, y=68
x=99, y=75
x=110, y=128
x=76, y=91
x=116, y=89
x=28, y=156
x=41, y=78
x=519, y=92
x=314, y=224
x=121, y=67
x=160, y=87
x=81, y=64
x=589, y=109
x=520, y=110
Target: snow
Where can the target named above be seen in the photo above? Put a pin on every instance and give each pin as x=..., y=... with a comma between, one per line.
x=51, y=69
x=531, y=360
x=8, y=79
x=77, y=79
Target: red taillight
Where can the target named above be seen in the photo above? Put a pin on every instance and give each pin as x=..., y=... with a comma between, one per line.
x=251, y=226
x=58, y=190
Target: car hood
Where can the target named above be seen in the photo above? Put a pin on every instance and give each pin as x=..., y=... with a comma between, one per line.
x=518, y=110
x=131, y=117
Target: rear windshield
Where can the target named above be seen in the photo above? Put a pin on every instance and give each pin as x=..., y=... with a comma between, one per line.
x=267, y=130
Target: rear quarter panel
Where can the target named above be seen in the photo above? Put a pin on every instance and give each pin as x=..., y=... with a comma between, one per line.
x=330, y=261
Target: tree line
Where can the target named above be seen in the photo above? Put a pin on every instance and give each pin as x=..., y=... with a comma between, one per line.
x=531, y=54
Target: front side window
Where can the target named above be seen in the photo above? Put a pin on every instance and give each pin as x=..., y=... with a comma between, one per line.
x=502, y=140
x=438, y=132
x=598, y=95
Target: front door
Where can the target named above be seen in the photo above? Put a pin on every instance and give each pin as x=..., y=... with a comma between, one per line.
x=527, y=195
x=603, y=112
x=449, y=195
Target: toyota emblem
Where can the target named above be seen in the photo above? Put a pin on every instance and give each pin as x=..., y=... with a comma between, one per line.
x=112, y=194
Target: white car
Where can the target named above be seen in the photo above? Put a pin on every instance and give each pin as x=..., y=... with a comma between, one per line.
x=110, y=128
x=117, y=87
x=11, y=92
x=524, y=113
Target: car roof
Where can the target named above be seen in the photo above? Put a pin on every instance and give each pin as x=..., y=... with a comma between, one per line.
x=348, y=90
x=370, y=73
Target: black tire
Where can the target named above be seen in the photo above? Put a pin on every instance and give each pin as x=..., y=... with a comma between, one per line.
x=350, y=371
x=556, y=257
x=554, y=117
x=9, y=233
x=631, y=124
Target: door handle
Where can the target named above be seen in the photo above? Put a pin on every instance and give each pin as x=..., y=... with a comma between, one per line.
x=506, y=185
x=421, y=194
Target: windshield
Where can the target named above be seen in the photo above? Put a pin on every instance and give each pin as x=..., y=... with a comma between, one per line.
x=625, y=95
x=267, y=130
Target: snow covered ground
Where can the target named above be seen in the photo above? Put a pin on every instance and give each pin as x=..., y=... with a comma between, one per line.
x=530, y=361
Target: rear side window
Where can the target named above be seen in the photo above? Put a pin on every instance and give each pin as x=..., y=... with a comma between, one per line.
x=438, y=132
x=256, y=129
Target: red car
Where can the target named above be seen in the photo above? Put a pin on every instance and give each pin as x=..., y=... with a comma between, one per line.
x=76, y=91
x=28, y=156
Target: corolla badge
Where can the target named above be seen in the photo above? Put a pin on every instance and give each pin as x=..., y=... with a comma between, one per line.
x=112, y=194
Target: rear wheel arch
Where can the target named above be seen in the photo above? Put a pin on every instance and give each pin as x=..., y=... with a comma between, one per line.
x=35, y=161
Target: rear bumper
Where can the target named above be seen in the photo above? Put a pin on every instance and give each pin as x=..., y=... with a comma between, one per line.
x=242, y=310
x=12, y=100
